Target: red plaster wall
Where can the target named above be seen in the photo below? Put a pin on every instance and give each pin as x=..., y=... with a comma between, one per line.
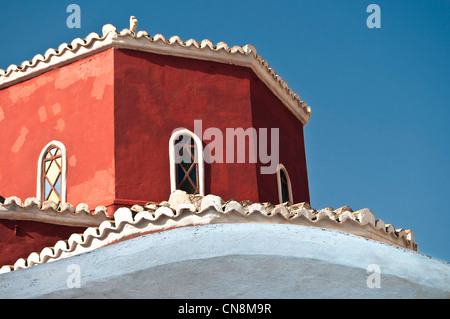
x=115, y=112
x=74, y=105
x=117, y=137
x=18, y=239
x=269, y=112
x=156, y=94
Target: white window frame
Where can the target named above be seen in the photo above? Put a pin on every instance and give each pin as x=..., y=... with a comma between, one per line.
x=201, y=169
x=63, y=170
x=280, y=194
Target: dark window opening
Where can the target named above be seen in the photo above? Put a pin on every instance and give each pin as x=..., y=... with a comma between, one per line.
x=284, y=187
x=187, y=170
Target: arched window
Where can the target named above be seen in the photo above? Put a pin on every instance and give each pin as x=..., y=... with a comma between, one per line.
x=186, y=162
x=52, y=173
x=284, y=185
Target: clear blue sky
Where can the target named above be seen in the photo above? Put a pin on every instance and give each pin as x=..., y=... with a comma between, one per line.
x=378, y=136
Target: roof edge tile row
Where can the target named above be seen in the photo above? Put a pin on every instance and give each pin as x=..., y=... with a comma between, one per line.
x=246, y=56
x=194, y=210
x=48, y=212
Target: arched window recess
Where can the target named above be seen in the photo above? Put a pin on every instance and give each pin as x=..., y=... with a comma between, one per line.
x=52, y=173
x=186, y=162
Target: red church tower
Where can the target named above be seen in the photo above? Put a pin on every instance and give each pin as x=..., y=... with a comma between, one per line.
x=96, y=122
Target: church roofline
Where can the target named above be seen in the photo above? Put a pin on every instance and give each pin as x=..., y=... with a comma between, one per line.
x=47, y=212
x=245, y=56
x=194, y=210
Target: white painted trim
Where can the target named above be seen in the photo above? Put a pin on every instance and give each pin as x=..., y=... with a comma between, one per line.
x=63, y=172
x=201, y=169
x=280, y=196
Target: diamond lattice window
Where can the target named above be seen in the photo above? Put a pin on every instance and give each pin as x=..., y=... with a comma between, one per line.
x=52, y=175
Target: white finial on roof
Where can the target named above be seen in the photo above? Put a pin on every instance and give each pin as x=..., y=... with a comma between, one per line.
x=133, y=24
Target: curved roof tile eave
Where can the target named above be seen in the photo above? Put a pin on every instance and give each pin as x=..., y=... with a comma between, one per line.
x=194, y=210
x=246, y=56
x=48, y=212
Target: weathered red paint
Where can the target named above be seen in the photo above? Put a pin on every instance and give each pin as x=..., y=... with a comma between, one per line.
x=115, y=112
x=156, y=94
x=20, y=238
x=71, y=104
x=268, y=111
